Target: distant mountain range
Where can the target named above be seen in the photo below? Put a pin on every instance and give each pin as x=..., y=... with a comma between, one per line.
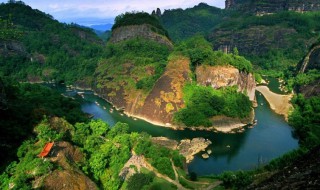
x=101, y=27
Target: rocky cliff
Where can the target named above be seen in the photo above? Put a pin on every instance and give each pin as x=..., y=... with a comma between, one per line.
x=271, y=6
x=160, y=103
x=255, y=40
x=222, y=76
x=134, y=31
x=311, y=62
x=304, y=173
x=166, y=95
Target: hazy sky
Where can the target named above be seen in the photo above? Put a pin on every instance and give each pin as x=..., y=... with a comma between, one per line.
x=87, y=12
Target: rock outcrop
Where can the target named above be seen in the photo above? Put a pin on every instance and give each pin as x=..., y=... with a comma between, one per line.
x=160, y=103
x=253, y=40
x=310, y=62
x=302, y=174
x=187, y=147
x=166, y=95
x=222, y=76
x=69, y=176
x=134, y=31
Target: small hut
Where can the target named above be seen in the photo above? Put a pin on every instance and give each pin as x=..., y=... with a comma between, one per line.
x=46, y=150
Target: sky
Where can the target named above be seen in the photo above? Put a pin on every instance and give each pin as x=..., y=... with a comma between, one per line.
x=92, y=12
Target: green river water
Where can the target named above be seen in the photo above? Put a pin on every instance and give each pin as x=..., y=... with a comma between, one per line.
x=270, y=138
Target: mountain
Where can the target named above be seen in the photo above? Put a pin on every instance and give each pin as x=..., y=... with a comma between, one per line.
x=274, y=41
x=47, y=49
x=148, y=77
x=163, y=68
x=182, y=24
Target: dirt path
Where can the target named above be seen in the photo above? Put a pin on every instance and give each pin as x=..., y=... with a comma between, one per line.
x=279, y=103
x=175, y=172
x=175, y=182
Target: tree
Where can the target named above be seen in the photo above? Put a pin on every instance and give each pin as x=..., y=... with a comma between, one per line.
x=138, y=180
x=8, y=31
x=235, y=51
x=193, y=176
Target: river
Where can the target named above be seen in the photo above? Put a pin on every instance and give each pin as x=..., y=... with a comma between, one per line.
x=270, y=138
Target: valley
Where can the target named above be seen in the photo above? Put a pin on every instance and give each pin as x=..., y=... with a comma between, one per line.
x=195, y=98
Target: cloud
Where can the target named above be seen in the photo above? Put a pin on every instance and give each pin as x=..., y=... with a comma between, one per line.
x=76, y=10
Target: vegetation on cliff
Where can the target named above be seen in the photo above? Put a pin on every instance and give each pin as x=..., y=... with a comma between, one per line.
x=139, y=18
x=105, y=151
x=202, y=103
x=129, y=70
x=276, y=41
x=131, y=67
x=24, y=105
x=199, y=50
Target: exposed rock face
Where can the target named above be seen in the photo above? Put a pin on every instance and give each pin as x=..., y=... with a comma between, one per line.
x=311, y=61
x=222, y=76
x=144, y=31
x=310, y=90
x=68, y=180
x=12, y=47
x=159, y=105
x=188, y=148
x=229, y=4
x=254, y=40
x=69, y=177
x=302, y=174
x=166, y=95
x=136, y=160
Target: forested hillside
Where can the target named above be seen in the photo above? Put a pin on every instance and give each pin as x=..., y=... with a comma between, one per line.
x=23, y=106
x=271, y=42
x=46, y=49
x=182, y=24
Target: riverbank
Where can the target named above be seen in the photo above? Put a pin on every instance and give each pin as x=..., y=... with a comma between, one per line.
x=188, y=148
x=221, y=124
x=278, y=103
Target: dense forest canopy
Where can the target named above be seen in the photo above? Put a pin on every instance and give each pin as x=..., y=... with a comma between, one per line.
x=23, y=105
x=48, y=50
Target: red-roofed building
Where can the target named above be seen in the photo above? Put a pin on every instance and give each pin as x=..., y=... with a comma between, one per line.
x=46, y=150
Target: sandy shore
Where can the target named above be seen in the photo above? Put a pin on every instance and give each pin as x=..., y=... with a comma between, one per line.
x=279, y=103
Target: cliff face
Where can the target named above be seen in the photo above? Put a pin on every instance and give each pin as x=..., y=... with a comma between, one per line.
x=255, y=40
x=166, y=95
x=134, y=31
x=272, y=6
x=222, y=76
x=158, y=105
x=311, y=62
x=304, y=173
